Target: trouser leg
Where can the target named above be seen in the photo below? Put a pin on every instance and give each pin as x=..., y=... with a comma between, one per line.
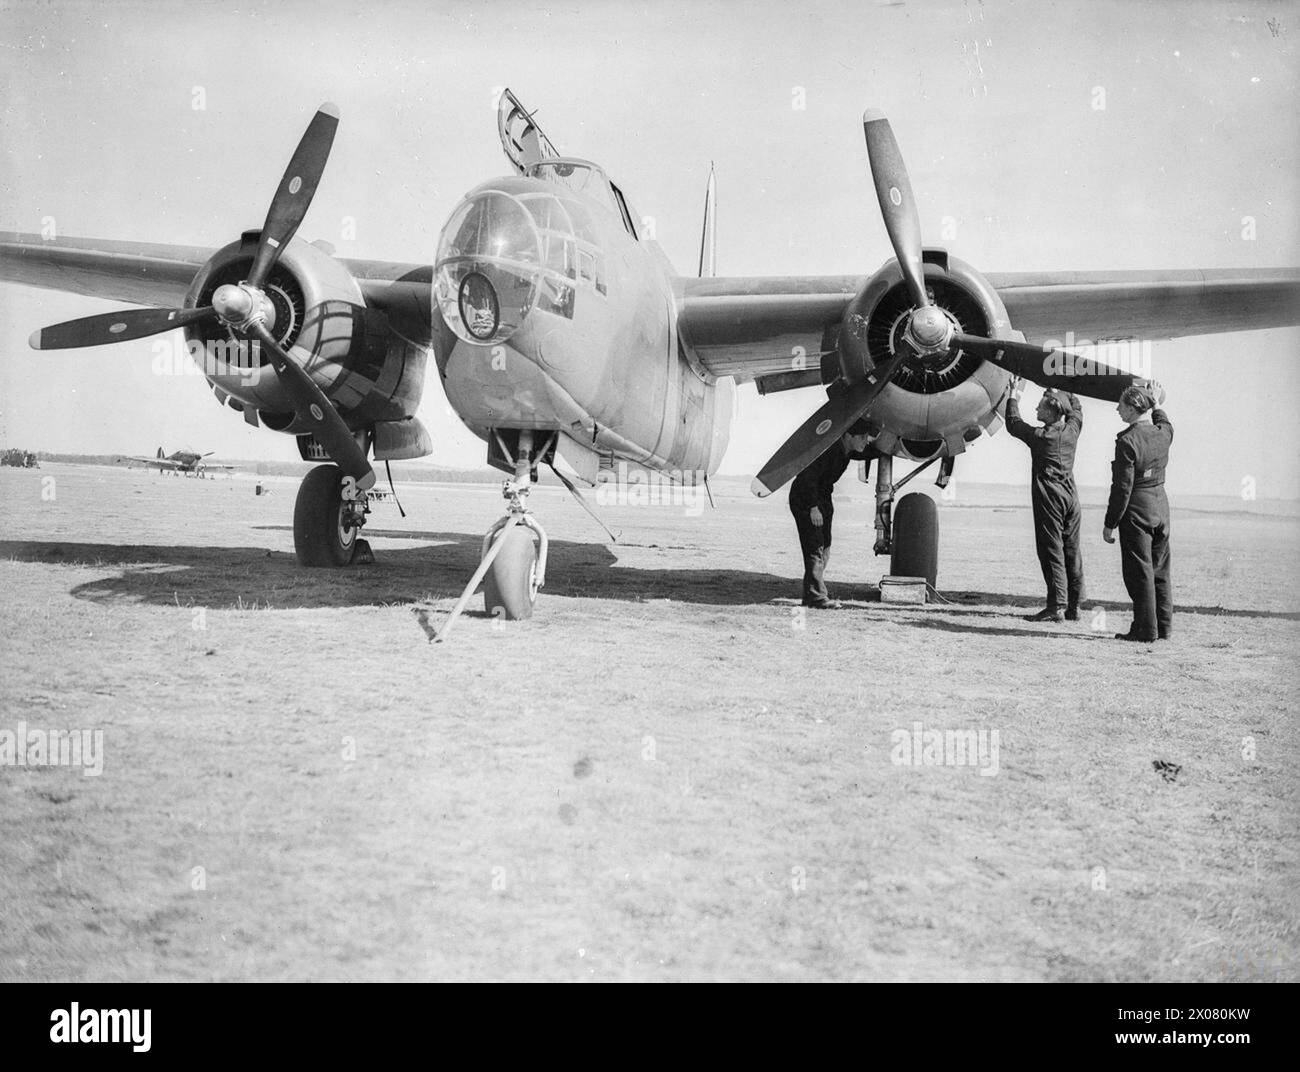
x=1073, y=557
x=815, y=543
x=1164, y=592
x=1139, y=577
x=828, y=514
x=1051, y=556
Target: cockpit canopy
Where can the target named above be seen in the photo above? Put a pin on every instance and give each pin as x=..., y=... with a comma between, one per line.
x=517, y=244
x=577, y=177
x=586, y=180
x=503, y=254
x=488, y=268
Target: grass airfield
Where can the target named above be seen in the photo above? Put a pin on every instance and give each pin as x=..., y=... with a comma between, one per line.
x=670, y=773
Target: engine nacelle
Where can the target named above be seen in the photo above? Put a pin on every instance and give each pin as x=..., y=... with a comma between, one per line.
x=321, y=318
x=936, y=405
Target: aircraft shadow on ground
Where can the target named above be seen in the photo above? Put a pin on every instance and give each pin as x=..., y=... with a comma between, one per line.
x=254, y=577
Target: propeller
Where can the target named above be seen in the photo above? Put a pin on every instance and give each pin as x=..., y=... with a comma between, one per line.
x=823, y=428
x=115, y=327
x=315, y=409
x=245, y=308
x=1076, y=373
x=897, y=205
x=928, y=331
x=295, y=193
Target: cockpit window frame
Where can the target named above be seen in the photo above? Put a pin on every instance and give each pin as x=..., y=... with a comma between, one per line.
x=623, y=210
x=544, y=171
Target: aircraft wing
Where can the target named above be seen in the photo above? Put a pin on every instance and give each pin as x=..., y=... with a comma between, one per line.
x=1148, y=304
x=759, y=328
x=752, y=328
x=134, y=272
x=158, y=463
x=148, y=274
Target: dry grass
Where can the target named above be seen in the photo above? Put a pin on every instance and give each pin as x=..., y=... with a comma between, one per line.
x=659, y=777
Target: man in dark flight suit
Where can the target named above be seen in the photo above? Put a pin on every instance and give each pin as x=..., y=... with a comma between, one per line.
x=1057, y=516
x=1140, y=510
x=810, y=502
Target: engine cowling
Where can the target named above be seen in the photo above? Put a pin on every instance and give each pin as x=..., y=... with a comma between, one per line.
x=320, y=316
x=932, y=406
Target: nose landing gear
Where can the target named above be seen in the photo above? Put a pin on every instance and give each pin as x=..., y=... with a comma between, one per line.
x=516, y=562
x=512, y=565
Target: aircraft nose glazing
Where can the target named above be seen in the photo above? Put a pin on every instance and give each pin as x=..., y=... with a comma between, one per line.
x=488, y=268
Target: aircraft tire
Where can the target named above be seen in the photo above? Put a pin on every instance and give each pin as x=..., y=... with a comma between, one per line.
x=319, y=538
x=510, y=586
x=916, y=538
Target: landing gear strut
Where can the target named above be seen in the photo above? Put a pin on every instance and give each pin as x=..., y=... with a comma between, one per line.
x=518, y=566
x=512, y=566
x=327, y=518
x=910, y=533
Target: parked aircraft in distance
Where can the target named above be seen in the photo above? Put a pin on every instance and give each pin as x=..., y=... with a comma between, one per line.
x=184, y=461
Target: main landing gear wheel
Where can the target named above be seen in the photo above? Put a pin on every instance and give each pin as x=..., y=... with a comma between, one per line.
x=323, y=534
x=510, y=584
x=916, y=538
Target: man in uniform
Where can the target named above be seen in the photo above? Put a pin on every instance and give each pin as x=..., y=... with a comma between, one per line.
x=1139, y=508
x=810, y=502
x=1057, y=515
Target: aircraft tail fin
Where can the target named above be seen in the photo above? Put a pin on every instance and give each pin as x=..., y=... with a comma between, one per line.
x=160, y=453
x=709, y=235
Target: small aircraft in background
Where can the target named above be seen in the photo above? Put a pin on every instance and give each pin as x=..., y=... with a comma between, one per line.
x=185, y=461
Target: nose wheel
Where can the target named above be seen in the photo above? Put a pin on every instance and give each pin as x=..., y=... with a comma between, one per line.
x=515, y=574
x=512, y=564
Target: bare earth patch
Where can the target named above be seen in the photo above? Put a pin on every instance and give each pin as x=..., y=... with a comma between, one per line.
x=669, y=773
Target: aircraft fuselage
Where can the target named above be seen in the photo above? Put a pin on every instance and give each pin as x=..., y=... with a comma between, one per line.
x=587, y=343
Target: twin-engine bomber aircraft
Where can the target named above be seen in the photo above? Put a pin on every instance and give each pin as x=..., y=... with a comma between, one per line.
x=562, y=334
x=186, y=461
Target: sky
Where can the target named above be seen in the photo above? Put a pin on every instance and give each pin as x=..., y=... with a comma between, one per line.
x=1038, y=136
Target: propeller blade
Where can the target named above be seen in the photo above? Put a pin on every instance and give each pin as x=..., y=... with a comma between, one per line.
x=823, y=428
x=114, y=327
x=297, y=188
x=313, y=407
x=1048, y=367
x=897, y=205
